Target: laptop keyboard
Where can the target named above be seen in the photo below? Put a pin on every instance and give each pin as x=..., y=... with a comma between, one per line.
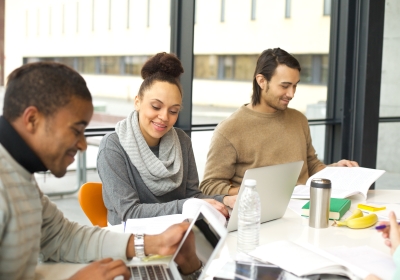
x=150, y=272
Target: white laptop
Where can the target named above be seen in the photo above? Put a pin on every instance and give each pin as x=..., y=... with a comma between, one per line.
x=210, y=235
x=275, y=184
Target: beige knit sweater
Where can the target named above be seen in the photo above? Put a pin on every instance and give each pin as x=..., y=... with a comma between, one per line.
x=32, y=228
x=249, y=139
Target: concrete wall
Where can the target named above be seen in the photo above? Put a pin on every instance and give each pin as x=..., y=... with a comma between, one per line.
x=389, y=133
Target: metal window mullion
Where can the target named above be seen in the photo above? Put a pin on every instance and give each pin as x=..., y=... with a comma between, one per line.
x=354, y=80
x=182, y=41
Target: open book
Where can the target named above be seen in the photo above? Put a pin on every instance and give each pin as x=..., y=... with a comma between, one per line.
x=305, y=259
x=157, y=225
x=346, y=181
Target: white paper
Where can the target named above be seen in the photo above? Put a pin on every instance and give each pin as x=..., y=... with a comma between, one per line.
x=192, y=206
x=346, y=181
x=296, y=205
x=157, y=225
x=367, y=258
x=154, y=225
x=296, y=259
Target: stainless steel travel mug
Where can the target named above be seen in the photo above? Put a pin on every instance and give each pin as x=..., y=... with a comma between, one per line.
x=320, y=195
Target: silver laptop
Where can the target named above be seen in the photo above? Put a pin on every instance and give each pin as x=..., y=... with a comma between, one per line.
x=209, y=234
x=275, y=184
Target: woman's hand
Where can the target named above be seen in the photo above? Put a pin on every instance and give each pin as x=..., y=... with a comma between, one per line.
x=218, y=205
x=230, y=200
x=391, y=233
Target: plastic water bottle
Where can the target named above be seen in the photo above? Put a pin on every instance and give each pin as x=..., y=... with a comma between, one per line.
x=249, y=218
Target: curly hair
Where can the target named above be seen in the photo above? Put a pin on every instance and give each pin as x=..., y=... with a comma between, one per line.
x=163, y=67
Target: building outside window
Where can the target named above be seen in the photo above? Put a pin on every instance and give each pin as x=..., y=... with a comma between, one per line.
x=133, y=64
x=110, y=65
x=327, y=7
x=244, y=67
x=288, y=8
x=87, y=65
x=226, y=67
x=69, y=61
x=205, y=66
x=306, y=65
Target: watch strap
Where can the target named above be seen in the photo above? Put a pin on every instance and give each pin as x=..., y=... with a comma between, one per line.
x=139, y=245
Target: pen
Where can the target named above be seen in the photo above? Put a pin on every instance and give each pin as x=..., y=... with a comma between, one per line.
x=384, y=226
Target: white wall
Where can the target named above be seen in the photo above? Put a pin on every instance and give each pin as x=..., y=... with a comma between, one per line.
x=25, y=35
x=307, y=31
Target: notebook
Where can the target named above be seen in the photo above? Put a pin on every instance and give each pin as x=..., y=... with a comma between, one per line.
x=209, y=238
x=275, y=184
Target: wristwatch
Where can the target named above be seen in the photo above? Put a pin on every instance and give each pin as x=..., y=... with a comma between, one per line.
x=194, y=275
x=139, y=245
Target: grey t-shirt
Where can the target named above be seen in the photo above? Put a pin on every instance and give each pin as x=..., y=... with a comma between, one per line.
x=124, y=192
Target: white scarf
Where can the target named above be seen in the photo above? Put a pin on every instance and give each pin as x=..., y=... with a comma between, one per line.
x=161, y=175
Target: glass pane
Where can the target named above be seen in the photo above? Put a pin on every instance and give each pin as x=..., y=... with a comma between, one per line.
x=388, y=157
x=205, y=66
x=133, y=64
x=235, y=44
x=86, y=65
x=106, y=41
x=244, y=67
x=318, y=139
x=306, y=64
x=324, y=69
x=110, y=65
x=70, y=61
x=201, y=143
x=390, y=83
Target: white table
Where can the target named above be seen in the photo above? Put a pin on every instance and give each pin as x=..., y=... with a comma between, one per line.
x=295, y=228
x=290, y=227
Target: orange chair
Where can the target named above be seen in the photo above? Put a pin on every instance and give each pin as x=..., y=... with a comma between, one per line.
x=91, y=200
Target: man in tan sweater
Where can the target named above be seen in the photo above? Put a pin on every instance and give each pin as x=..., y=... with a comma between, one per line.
x=47, y=107
x=263, y=132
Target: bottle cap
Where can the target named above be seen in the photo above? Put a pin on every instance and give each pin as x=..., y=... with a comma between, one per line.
x=321, y=183
x=250, y=182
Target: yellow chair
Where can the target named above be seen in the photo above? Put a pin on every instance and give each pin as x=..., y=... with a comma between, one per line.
x=90, y=198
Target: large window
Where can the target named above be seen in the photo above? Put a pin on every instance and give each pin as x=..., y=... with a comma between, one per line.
x=106, y=41
x=227, y=42
x=226, y=53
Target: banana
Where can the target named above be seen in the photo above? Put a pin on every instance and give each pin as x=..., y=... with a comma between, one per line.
x=361, y=222
x=356, y=214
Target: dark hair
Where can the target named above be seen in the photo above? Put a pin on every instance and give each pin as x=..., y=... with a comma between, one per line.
x=267, y=63
x=163, y=67
x=46, y=85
